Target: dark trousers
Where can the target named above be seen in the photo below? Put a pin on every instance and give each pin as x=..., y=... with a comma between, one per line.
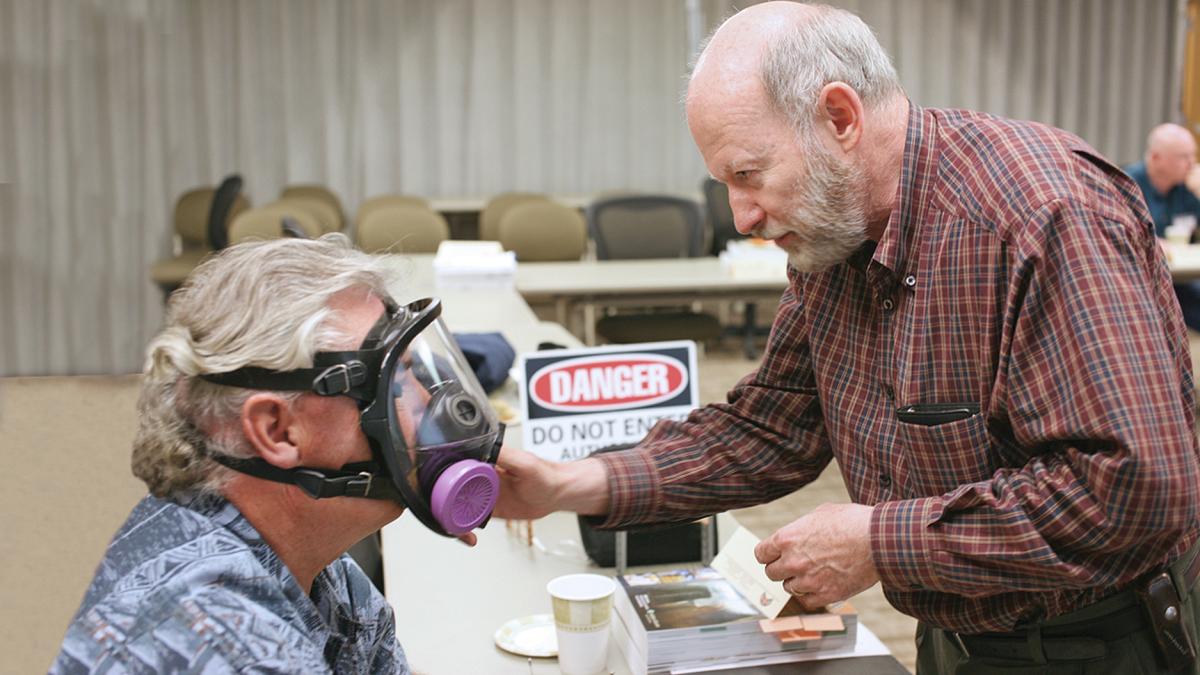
x=1188, y=294
x=1052, y=649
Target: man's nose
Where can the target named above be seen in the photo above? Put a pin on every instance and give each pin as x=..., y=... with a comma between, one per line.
x=746, y=213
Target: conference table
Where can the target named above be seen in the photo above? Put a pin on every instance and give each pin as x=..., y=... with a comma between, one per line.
x=592, y=284
x=1183, y=261
x=577, y=289
x=450, y=599
x=620, y=283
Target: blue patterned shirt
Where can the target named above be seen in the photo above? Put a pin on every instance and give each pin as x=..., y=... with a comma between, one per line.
x=1178, y=201
x=191, y=586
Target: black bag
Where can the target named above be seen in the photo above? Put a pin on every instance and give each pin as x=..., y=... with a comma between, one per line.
x=668, y=544
x=645, y=545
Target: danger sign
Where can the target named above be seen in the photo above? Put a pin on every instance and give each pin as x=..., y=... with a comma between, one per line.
x=577, y=401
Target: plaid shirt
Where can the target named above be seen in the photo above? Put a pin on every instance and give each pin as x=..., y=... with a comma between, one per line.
x=1018, y=277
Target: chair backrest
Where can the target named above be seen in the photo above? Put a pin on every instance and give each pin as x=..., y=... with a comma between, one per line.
x=646, y=226
x=316, y=192
x=329, y=219
x=402, y=229
x=720, y=215
x=493, y=211
x=266, y=222
x=225, y=205
x=543, y=230
x=191, y=217
x=384, y=201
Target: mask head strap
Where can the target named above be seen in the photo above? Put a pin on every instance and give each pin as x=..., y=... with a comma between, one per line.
x=352, y=373
x=360, y=479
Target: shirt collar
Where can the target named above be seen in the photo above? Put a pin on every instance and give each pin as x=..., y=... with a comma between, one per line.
x=224, y=514
x=917, y=173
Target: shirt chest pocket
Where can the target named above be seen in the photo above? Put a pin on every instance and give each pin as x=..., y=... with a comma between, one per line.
x=945, y=445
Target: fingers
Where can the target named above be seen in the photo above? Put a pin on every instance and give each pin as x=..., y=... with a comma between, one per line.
x=777, y=571
x=514, y=461
x=469, y=538
x=766, y=552
x=810, y=599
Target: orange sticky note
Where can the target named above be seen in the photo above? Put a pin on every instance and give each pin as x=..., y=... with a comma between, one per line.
x=823, y=622
x=782, y=624
x=798, y=636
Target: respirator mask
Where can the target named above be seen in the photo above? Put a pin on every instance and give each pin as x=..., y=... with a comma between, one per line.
x=433, y=435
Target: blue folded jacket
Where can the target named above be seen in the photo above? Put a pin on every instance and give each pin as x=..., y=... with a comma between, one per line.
x=489, y=355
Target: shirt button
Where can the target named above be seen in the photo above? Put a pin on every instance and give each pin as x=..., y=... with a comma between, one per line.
x=910, y=281
x=885, y=481
x=889, y=392
x=887, y=304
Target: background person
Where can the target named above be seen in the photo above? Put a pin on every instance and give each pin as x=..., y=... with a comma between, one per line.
x=1163, y=177
x=979, y=328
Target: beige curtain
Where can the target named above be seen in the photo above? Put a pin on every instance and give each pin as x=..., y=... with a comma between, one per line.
x=109, y=109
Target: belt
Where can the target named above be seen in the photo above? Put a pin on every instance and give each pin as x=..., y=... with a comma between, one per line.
x=1083, y=633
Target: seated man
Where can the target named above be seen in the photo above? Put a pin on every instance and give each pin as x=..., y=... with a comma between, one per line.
x=1162, y=176
x=288, y=410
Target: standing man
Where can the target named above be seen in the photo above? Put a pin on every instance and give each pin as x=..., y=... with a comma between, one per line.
x=1162, y=176
x=281, y=402
x=980, y=328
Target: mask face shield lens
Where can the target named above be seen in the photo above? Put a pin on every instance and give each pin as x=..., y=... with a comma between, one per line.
x=442, y=432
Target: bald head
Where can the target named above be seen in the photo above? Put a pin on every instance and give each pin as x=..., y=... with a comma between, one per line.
x=1170, y=155
x=733, y=54
x=1170, y=138
x=783, y=53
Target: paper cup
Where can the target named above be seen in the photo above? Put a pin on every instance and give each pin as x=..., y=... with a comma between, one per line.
x=582, y=615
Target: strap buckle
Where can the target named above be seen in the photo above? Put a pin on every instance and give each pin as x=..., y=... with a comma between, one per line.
x=319, y=486
x=355, y=483
x=340, y=379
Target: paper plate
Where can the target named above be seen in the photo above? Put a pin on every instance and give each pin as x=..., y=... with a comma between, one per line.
x=529, y=636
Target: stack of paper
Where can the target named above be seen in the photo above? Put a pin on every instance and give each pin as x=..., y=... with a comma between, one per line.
x=473, y=264
x=751, y=258
x=695, y=618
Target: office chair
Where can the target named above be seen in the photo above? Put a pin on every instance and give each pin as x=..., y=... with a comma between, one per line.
x=494, y=210
x=650, y=226
x=720, y=215
x=197, y=212
x=320, y=192
x=720, y=219
x=328, y=218
x=384, y=201
x=225, y=205
x=539, y=230
x=267, y=222
x=646, y=226
x=402, y=229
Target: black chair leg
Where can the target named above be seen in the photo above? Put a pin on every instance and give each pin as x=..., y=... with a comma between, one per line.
x=749, y=330
x=368, y=553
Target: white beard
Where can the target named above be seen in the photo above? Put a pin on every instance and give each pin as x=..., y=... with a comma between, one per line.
x=829, y=218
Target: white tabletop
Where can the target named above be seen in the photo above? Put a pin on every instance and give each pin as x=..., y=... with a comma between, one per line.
x=704, y=275
x=1184, y=261
x=472, y=309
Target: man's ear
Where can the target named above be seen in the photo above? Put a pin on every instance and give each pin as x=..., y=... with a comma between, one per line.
x=267, y=422
x=843, y=112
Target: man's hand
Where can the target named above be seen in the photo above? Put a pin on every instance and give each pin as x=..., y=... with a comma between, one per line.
x=822, y=557
x=531, y=487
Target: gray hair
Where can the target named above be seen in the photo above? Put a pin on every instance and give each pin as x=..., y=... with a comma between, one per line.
x=832, y=45
x=261, y=304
